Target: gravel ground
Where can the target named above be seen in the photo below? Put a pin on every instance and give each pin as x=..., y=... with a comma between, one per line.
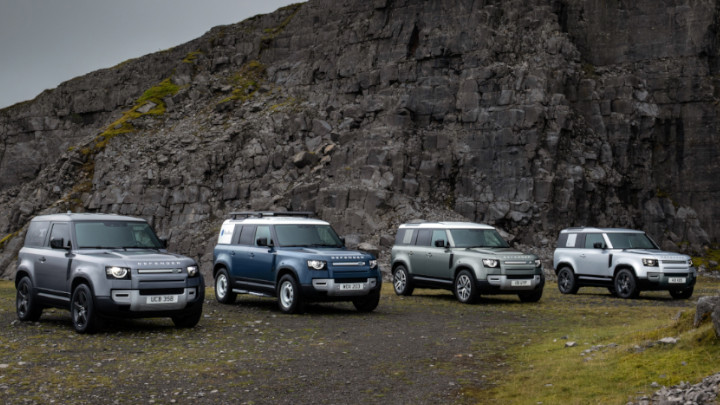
x=421, y=349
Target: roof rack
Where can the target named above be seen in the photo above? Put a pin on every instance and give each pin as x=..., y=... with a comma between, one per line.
x=260, y=214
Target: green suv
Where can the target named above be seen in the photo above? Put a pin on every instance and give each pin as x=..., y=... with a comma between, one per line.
x=467, y=258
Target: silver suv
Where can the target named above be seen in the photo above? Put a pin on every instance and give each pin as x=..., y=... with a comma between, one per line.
x=99, y=265
x=623, y=260
x=468, y=258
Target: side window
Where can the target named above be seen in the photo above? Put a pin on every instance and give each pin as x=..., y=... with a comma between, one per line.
x=61, y=231
x=592, y=238
x=405, y=237
x=263, y=231
x=424, y=237
x=247, y=234
x=36, y=233
x=438, y=234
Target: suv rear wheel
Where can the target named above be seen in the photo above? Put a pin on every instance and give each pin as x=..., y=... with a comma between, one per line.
x=626, y=284
x=401, y=281
x=27, y=308
x=567, y=282
x=223, y=291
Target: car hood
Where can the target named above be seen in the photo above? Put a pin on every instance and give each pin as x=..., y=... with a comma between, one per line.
x=331, y=253
x=145, y=258
x=661, y=254
x=502, y=253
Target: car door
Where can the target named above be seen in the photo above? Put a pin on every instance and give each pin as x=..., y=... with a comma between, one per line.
x=427, y=259
x=594, y=257
x=53, y=265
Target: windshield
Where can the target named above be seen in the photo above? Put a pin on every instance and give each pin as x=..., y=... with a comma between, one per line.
x=485, y=238
x=631, y=241
x=115, y=235
x=307, y=235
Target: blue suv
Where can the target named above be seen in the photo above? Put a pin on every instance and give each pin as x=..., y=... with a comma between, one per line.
x=294, y=257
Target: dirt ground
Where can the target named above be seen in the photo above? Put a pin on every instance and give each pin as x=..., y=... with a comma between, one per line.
x=422, y=349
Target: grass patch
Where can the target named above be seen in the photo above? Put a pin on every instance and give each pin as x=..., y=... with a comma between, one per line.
x=710, y=260
x=247, y=81
x=617, y=357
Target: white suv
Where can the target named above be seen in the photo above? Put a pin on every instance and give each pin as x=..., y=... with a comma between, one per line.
x=623, y=260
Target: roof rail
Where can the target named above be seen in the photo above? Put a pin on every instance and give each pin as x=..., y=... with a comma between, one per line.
x=260, y=214
x=416, y=221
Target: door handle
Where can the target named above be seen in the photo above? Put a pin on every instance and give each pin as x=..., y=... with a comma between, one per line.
x=252, y=255
x=582, y=255
x=42, y=259
x=232, y=253
x=429, y=254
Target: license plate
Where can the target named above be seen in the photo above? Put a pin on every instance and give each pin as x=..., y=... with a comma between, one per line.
x=676, y=280
x=520, y=283
x=162, y=299
x=351, y=286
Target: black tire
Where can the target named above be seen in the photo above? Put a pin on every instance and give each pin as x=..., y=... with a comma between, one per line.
x=187, y=320
x=289, y=295
x=82, y=310
x=25, y=304
x=367, y=303
x=567, y=282
x=682, y=294
x=401, y=281
x=223, y=289
x=465, y=288
x=626, y=284
x=532, y=296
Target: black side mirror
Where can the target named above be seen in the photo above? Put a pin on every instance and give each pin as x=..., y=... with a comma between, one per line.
x=262, y=242
x=440, y=243
x=342, y=240
x=599, y=245
x=163, y=243
x=58, y=244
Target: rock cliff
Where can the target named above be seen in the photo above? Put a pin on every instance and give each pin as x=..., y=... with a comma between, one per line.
x=531, y=115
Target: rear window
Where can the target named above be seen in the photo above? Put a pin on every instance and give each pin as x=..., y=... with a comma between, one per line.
x=36, y=233
x=405, y=236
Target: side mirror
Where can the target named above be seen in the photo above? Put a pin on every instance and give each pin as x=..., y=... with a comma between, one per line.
x=599, y=245
x=262, y=242
x=58, y=244
x=163, y=243
x=440, y=243
x=342, y=240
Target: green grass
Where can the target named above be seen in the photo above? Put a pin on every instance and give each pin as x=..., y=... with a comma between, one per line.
x=626, y=365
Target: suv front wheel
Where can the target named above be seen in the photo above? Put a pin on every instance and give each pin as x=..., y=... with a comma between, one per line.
x=223, y=291
x=82, y=310
x=401, y=281
x=626, y=284
x=465, y=289
x=288, y=293
x=567, y=282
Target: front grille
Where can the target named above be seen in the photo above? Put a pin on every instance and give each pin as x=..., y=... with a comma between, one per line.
x=674, y=261
x=350, y=280
x=158, y=271
x=676, y=274
x=520, y=276
x=162, y=291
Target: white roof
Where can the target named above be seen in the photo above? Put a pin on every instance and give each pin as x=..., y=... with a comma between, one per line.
x=447, y=225
x=589, y=229
x=277, y=220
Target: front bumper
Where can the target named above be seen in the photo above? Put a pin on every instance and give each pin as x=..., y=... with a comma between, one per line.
x=502, y=284
x=339, y=288
x=668, y=281
x=133, y=304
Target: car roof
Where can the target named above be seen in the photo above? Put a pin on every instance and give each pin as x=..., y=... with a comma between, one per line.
x=85, y=216
x=590, y=229
x=278, y=220
x=446, y=224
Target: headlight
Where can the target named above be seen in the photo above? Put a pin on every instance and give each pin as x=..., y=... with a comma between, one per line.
x=492, y=263
x=537, y=263
x=192, y=271
x=650, y=262
x=690, y=263
x=117, y=272
x=373, y=264
x=316, y=264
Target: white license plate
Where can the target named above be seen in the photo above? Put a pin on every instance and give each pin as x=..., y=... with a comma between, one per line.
x=520, y=283
x=676, y=280
x=351, y=286
x=162, y=299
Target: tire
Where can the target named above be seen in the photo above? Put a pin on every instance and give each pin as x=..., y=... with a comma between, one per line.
x=626, y=284
x=187, y=320
x=567, y=282
x=401, y=281
x=27, y=308
x=289, y=296
x=612, y=292
x=465, y=288
x=223, y=290
x=82, y=310
x=367, y=303
x=532, y=296
x=682, y=294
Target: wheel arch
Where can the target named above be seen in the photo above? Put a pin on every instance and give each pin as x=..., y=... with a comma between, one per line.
x=397, y=263
x=624, y=266
x=564, y=264
x=20, y=273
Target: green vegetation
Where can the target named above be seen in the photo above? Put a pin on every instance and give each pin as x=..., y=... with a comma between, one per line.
x=7, y=238
x=246, y=81
x=711, y=259
x=271, y=33
x=191, y=57
x=627, y=358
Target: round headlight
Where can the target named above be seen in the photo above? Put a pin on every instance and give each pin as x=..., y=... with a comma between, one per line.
x=490, y=263
x=316, y=264
x=192, y=271
x=117, y=272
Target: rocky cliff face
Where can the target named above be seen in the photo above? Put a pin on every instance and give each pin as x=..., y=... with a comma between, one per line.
x=528, y=115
